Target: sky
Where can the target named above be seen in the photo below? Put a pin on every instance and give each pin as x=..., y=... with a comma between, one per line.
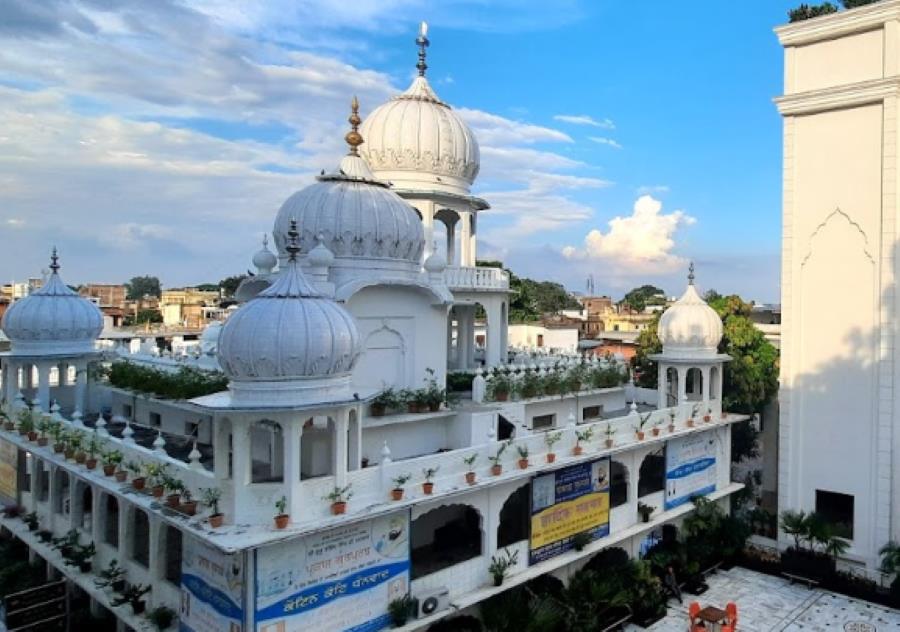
x=618, y=140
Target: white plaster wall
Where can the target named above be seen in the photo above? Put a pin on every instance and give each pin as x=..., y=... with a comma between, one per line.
x=839, y=61
x=526, y=335
x=173, y=416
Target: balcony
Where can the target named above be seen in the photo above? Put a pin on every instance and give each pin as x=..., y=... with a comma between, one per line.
x=476, y=278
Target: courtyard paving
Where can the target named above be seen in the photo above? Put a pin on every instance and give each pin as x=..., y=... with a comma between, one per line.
x=772, y=604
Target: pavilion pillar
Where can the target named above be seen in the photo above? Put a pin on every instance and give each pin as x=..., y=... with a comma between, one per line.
x=662, y=380
x=705, y=372
x=43, y=395
x=451, y=243
x=427, y=211
x=79, y=403
x=293, y=435
x=465, y=239
x=682, y=383
x=492, y=331
x=340, y=447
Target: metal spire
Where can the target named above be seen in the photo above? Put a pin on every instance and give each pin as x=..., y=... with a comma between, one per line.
x=292, y=247
x=691, y=273
x=353, y=137
x=54, y=261
x=265, y=240
x=422, y=42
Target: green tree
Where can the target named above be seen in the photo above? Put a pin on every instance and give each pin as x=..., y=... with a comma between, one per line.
x=795, y=524
x=852, y=4
x=143, y=316
x=805, y=11
x=230, y=284
x=533, y=299
x=648, y=344
x=208, y=287
x=140, y=286
x=638, y=298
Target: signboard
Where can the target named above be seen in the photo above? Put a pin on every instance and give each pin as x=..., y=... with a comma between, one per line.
x=566, y=502
x=690, y=468
x=339, y=580
x=41, y=608
x=9, y=470
x=211, y=589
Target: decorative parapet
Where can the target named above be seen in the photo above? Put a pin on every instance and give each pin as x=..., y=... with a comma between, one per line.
x=476, y=278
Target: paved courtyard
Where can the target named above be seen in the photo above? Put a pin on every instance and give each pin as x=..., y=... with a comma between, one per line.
x=772, y=604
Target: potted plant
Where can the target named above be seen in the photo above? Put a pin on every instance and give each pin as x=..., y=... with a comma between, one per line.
x=671, y=421
x=645, y=511
x=156, y=477
x=188, y=504
x=133, y=595
x=281, y=518
x=174, y=487
x=81, y=556
x=470, y=473
x=523, y=456
x=551, y=439
x=610, y=433
x=386, y=399
x=496, y=467
x=501, y=563
x=708, y=416
x=531, y=385
x=111, y=461
x=428, y=484
x=211, y=498
x=75, y=443
x=654, y=428
x=433, y=394
x=45, y=535
x=8, y=424
x=399, y=482
x=66, y=543
x=690, y=421
x=113, y=576
x=639, y=429
x=31, y=519
x=338, y=498
x=581, y=540
x=26, y=423
x=401, y=609
x=582, y=435
x=162, y=617
x=58, y=433
x=43, y=428
x=138, y=480
x=92, y=448
x=499, y=387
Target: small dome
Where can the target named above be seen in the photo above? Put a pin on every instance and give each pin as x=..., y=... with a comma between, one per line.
x=320, y=256
x=209, y=339
x=265, y=260
x=417, y=141
x=53, y=320
x=690, y=327
x=436, y=262
x=287, y=335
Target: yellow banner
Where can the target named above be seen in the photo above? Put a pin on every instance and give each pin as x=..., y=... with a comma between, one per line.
x=9, y=469
x=565, y=519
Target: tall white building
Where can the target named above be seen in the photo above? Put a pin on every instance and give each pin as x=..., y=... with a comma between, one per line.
x=840, y=422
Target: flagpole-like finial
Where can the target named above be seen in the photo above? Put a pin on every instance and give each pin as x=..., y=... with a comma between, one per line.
x=54, y=261
x=293, y=247
x=422, y=42
x=691, y=273
x=353, y=137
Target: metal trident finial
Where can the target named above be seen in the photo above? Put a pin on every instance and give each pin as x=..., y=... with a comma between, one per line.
x=422, y=42
x=54, y=261
x=292, y=247
x=691, y=273
x=353, y=137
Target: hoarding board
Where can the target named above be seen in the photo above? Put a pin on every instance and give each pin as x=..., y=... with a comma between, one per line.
x=565, y=502
x=341, y=579
x=211, y=589
x=9, y=471
x=41, y=608
x=690, y=468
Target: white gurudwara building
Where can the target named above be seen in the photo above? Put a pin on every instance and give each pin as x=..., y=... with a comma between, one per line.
x=323, y=497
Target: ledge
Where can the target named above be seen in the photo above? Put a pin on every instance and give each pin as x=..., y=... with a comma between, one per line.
x=824, y=27
x=404, y=418
x=854, y=94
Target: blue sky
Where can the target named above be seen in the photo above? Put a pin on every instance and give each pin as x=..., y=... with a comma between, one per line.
x=161, y=138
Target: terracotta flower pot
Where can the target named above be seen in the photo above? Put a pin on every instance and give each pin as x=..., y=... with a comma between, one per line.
x=32, y=436
x=339, y=507
x=470, y=478
x=121, y=476
x=9, y=426
x=80, y=457
x=434, y=407
x=428, y=488
x=671, y=428
x=501, y=397
x=157, y=491
x=59, y=448
x=577, y=450
x=42, y=441
x=90, y=463
x=640, y=435
x=609, y=443
x=690, y=423
x=707, y=418
x=109, y=470
x=281, y=521
x=551, y=457
x=173, y=500
x=189, y=508
x=397, y=493
x=655, y=432
x=215, y=520
x=413, y=407
x=377, y=410
x=496, y=470
x=138, y=482
x=523, y=464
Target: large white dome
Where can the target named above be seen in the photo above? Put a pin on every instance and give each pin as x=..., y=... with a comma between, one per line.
x=288, y=342
x=690, y=328
x=53, y=320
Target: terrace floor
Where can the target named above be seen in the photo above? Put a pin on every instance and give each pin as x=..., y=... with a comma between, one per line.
x=772, y=604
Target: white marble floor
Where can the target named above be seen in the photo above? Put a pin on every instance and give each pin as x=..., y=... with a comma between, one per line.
x=772, y=604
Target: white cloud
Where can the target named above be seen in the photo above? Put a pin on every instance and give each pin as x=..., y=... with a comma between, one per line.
x=493, y=129
x=584, y=119
x=642, y=242
x=600, y=140
x=650, y=189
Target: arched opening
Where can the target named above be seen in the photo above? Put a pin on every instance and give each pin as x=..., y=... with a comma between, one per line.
x=694, y=384
x=445, y=227
x=714, y=380
x=172, y=542
x=354, y=436
x=514, y=517
x=266, y=452
x=671, y=386
x=505, y=428
x=608, y=560
x=316, y=448
x=43, y=486
x=618, y=484
x=84, y=507
x=652, y=475
x=111, y=522
x=63, y=500
x=382, y=362
x=444, y=537
x=140, y=538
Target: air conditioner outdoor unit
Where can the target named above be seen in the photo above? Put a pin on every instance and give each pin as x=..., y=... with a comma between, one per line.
x=432, y=601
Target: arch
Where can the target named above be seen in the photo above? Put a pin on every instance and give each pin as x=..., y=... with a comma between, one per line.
x=714, y=380
x=383, y=359
x=505, y=428
x=140, y=537
x=652, y=475
x=266, y=452
x=618, y=484
x=671, y=386
x=443, y=537
x=62, y=491
x=514, y=517
x=837, y=214
x=110, y=508
x=83, y=511
x=317, y=448
x=171, y=547
x=608, y=560
x=693, y=384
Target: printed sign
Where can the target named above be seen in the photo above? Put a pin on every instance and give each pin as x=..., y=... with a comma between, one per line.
x=41, y=608
x=690, y=468
x=9, y=471
x=211, y=589
x=340, y=580
x=565, y=502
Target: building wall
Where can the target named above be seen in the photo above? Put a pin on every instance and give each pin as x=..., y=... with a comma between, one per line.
x=534, y=335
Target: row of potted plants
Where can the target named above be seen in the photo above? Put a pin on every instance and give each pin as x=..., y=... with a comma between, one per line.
x=429, y=398
x=529, y=383
x=645, y=422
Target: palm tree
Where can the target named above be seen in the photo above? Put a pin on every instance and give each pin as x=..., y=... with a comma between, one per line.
x=818, y=531
x=795, y=524
x=890, y=557
x=836, y=546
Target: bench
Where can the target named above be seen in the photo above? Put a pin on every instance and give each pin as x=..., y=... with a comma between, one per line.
x=803, y=580
x=712, y=569
x=616, y=625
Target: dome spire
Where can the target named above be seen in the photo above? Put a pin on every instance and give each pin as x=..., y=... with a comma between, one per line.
x=691, y=273
x=54, y=261
x=422, y=42
x=292, y=247
x=353, y=137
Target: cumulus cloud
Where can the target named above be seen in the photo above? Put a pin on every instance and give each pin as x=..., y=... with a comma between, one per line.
x=601, y=140
x=584, y=119
x=493, y=129
x=652, y=189
x=643, y=241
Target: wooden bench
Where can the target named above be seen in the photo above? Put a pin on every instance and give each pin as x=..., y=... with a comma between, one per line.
x=803, y=580
x=616, y=625
x=712, y=569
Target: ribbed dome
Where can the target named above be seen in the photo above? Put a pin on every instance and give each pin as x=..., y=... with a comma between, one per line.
x=264, y=260
x=356, y=217
x=416, y=141
x=53, y=320
x=288, y=334
x=690, y=327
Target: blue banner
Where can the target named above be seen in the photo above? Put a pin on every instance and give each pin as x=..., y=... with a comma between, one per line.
x=215, y=598
x=690, y=468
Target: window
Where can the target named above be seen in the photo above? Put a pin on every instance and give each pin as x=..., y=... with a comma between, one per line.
x=514, y=517
x=540, y=422
x=267, y=452
x=837, y=510
x=140, y=543
x=173, y=555
x=652, y=476
x=155, y=420
x=191, y=428
x=540, y=340
x=591, y=412
x=111, y=526
x=43, y=482
x=127, y=411
x=444, y=537
x=618, y=484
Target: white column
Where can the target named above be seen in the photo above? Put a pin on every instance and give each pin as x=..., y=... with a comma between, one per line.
x=465, y=239
x=10, y=381
x=355, y=440
x=98, y=526
x=451, y=243
x=492, y=330
x=705, y=372
x=662, y=385
x=427, y=210
x=473, y=219
x=157, y=554
x=465, y=338
x=682, y=383
x=293, y=435
x=340, y=447
x=44, y=386
x=80, y=402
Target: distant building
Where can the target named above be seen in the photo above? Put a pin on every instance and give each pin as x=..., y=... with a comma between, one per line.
x=108, y=294
x=187, y=307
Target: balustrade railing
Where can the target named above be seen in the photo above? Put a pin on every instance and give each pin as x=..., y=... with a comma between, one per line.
x=476, y=278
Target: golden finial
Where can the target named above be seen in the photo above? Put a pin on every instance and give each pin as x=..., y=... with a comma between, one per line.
x=353, y=137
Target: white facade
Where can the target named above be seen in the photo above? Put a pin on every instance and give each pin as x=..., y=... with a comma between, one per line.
x=838, y=405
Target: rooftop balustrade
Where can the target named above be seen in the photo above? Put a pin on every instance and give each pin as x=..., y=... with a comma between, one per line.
x=476, y=278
